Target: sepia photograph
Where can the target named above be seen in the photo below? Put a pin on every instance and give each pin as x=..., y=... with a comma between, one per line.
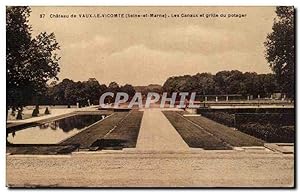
x=150, y=97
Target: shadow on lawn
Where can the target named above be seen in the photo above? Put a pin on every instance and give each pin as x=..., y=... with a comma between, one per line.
x=115, y=144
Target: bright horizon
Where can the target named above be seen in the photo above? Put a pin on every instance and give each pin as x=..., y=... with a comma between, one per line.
x=143, y=51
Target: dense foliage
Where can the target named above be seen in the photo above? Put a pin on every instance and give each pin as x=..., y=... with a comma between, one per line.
x=31, y=61
x=280, y=49
x=224, y=82
x=68, y=92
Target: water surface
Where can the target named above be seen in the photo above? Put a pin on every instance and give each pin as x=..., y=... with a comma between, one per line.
x=53, y=132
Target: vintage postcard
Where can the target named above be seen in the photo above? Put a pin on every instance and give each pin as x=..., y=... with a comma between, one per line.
x=150, y=96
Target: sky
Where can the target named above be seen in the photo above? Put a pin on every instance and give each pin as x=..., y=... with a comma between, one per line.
x=142, y=51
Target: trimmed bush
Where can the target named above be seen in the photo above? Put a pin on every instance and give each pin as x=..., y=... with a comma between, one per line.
x=35, y=112
x=19, y=115
x=47, y=112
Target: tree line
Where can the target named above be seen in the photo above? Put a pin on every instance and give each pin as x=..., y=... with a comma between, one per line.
x=83, y=93
x=68, y=92
x=224, y=82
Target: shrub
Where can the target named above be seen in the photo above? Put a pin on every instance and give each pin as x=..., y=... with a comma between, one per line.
x=37, y=107
x=19, y=115
x=35, y=112
x=47, y=112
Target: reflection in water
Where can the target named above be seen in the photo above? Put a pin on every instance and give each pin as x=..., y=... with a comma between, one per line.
x=53, y=132
x=74, y=122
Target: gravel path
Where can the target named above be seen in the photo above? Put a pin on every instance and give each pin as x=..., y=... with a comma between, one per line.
x=235, y=169
x=157, y=133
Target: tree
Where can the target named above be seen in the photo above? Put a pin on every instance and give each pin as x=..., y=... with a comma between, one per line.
x=127, y=88
x=268, y=84
x=69, y=92
x=280, y=49
x=221, y=79
x=224, y=82
x=57, y=93
x=93, y=90
x=113, y=87
x=251, y=84
x=205, y=84
x=229, y=82
x=179, y=84
x=31, y=62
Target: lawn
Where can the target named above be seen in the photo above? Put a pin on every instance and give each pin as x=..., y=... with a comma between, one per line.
x=124, y=135
x=117, y=131
x=194, y=135
x=87, y=137
x=225, y=133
